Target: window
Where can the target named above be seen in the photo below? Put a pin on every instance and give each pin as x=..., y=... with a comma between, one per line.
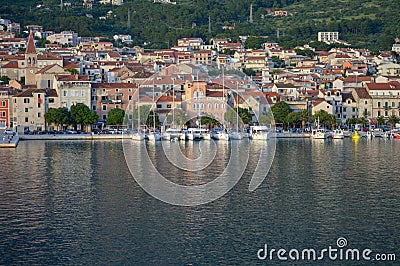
x=353, y=109
x=26, y=100
x=51, y=100
x=379, y=104
x=393, y=104
x=366, y=102
x=168, y=105
x=65, y=93
x=26, y=110
x=104, y=117
x=38, y=105
x=26, y=119
x=104, y=107
x=116, y=90
x=3, y=103
x=130, y=97
x=379, y=113
x=39, y=115
x=94, y=107
x=3, y=114
x=159, y=106
x=344, y=109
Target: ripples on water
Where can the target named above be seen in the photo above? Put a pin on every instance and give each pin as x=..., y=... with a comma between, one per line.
x=76, y=203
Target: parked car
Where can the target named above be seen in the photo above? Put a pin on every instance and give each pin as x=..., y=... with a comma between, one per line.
x=9, y=132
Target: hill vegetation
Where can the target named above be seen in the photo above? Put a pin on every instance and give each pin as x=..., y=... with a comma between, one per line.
x=371, y=24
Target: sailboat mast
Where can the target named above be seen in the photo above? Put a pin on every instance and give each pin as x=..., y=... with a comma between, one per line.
x=237, y=107
x=173, y=102
x=138, y=103
x=154, y=114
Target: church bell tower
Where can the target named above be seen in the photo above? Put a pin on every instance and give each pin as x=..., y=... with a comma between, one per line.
x=31, y=64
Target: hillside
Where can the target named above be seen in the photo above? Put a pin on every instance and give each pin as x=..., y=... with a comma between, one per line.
x=363, y=23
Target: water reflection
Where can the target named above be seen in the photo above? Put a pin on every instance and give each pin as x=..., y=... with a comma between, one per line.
x=76, y=203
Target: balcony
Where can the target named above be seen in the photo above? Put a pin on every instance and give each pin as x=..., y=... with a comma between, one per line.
x=112, y=101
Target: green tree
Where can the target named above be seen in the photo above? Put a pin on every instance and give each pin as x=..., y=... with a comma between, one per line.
x=381, y=120
x=254, y=42
x=180, y=118
x=324, y=118
x=293, y=118
x=211, y=122
x=82, y=115
x=58, y=116
x=393, y=119
x=4, y=80
x=115, y=117
x=146, y=117
x=73, y=71
x=304, y=117
x=281, y=110
x=244, y=115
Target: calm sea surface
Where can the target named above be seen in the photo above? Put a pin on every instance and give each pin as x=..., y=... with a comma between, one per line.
x=75, y=202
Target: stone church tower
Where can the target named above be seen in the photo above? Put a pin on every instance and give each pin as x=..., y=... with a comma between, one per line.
x=31, y=64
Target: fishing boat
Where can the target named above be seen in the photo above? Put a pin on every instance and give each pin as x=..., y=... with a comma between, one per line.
x=259, y=132
x=219, y=134
x=319, y=133
x=337, y=134
x=195, y=133
x=153, y=136
x=234, y=135
x=396, y=135
x=173, y=133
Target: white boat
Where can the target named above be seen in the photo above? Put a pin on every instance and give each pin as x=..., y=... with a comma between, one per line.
x=347, y=133
x=138, y=136
x=206, y=135
x=319, y=133
x=219, y=134
x=195, y=133
x=259, y=132
x=173, y=133
x=338, y=134
x=153, y=136
x=235, y=135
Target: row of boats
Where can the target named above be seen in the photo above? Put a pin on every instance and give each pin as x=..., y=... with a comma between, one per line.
x=341, y=134
x=193, y=134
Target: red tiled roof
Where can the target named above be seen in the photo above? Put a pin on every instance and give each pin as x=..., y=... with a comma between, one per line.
x=114, y=85
x=31, y=47
x=12, y=64
x=165, y=98
x=392, y=85
x=362, y=93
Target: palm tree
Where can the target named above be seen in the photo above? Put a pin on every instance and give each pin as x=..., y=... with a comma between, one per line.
x=304, y=117
x=381, y=120
x=393, y=119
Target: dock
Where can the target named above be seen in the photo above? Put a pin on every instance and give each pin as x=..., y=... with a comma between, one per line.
x=287, y=135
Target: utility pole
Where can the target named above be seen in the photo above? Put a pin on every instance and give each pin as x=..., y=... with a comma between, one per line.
x=129, y=18
x=251, y=13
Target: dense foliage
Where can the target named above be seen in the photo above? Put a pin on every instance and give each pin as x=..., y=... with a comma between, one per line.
x=363, y=23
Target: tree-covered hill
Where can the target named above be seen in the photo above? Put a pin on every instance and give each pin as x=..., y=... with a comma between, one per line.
x=364, y=23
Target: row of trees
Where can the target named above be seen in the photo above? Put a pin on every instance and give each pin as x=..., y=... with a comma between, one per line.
x=80, y=114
